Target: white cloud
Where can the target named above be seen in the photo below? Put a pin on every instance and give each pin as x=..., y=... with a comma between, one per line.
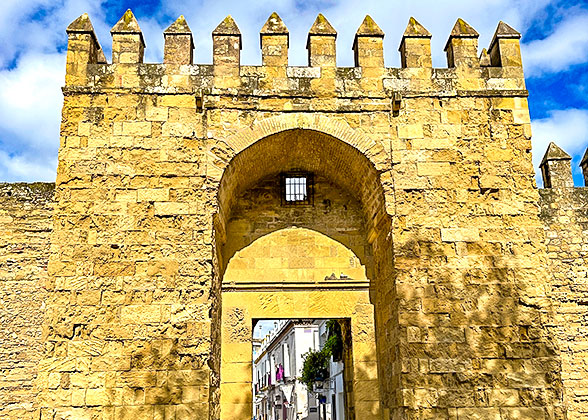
x=30, y=107
x=566, y=46
x=39, y=25
x=32, y=71
x=568, y=129
x=26, y=168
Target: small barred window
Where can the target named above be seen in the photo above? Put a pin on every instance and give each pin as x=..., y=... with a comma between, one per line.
x=296, y=188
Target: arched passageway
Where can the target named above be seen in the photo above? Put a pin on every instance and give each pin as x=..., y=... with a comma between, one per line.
x=288, y=274
x=344, y=166
x=319, y=258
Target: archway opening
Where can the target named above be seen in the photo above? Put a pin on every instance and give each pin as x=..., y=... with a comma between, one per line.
x=321, y=257
x=254, y=174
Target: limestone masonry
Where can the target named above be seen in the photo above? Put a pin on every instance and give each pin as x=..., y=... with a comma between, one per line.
x=131, y=285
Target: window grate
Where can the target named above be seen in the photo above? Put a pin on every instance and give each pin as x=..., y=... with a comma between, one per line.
x=296, y=188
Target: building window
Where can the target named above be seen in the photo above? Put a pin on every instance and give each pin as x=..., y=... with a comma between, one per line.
x=296, y=188
x=286, y=359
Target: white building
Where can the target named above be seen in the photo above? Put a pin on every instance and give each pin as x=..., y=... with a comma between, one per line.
x=333, y=388
x=277, y=394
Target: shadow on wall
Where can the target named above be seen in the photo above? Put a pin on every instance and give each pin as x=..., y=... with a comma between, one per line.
x=473, y=316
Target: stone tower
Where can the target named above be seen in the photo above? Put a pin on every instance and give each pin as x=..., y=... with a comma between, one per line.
x=417, y=220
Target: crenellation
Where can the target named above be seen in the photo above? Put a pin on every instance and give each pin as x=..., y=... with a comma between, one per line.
x=226, y=54
x=368, y=49
x=179, y=44
x=504, y=49
x=467, y=71
x=556, y=168
x=415, y=47
x=274, y=40
x=462, y=46
x=321, y=43
x=368, y=45
x=128, y=45
x=83, y=49
x=485, y=58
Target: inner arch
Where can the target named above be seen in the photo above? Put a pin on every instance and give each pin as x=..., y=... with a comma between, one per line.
x=294, y=257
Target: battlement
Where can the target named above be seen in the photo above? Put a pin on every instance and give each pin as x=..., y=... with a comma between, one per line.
x=496, y=69
x=556, y=169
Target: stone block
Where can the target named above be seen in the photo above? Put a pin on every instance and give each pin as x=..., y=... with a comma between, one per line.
x=460, y=234
x=433, y=168
x=136, y=128
x=140, y=314
x=410, y=131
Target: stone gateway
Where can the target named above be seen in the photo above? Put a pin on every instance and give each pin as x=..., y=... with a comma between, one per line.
x=193, y=200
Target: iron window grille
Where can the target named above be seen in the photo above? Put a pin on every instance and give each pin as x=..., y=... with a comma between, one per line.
x=297, y=188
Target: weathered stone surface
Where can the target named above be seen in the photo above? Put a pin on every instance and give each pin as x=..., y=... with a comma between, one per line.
x=564, y=211
x=462, y=46
x=227, y=27
x=126, y=24
x=128, y=44
x=274, y=42
x=556, y=168
x=415, y=29
x=274, y=25
x=415, y=47
x=504, y=49
x=171, y=235
x=179, y=27
x=462, y=29
x=369, y=28
x=25, y=227
x=504, y=30
x=81, y=25
x=322, y=26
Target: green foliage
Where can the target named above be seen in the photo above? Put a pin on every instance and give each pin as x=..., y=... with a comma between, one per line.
x=334, y=344
x=316, y=363
x=315, y=367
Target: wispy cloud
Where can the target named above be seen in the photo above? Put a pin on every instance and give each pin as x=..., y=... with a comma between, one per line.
x=567, y=45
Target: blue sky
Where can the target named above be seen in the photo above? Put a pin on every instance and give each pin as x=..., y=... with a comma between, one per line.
x=33, y=43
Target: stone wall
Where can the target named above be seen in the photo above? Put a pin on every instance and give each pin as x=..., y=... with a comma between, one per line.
x=565, y=213
x=154, y=159
x=25, y=228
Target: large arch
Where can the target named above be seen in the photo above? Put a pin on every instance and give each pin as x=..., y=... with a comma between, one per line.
x=353, y=164
x=336, y=128
x=359, y=166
